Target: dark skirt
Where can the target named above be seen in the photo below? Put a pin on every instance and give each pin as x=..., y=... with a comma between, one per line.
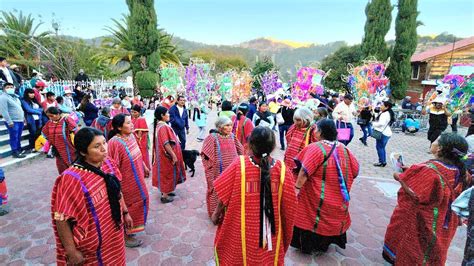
x=434, y=133
x=309, y=242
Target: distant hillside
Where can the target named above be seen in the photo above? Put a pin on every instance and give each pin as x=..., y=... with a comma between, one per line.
x=285, y=56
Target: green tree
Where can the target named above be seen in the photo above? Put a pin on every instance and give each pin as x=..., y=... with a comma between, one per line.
x=70, y=56
x=118, y=48
x=259, y=69
x=406, y=40
x=21, y=40
x=337, y=64
x=379, y=18
x=144, y=39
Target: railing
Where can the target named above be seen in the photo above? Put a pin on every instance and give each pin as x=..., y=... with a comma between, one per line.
x=101, y=87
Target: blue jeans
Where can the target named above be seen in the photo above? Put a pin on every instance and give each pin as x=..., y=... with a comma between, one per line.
x=367, y=130
x=15, y=136
x=380, y=146
x=283, y=129
x=346, y=125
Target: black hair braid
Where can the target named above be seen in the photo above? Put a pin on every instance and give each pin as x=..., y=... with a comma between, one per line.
x=113, y=190
x=84, y=138
x=155, y=123
x=453, y=149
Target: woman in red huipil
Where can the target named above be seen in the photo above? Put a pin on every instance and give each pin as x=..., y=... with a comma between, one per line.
x=219, y=150
x=124, y=150
x=299, y=135
x=242, y=126
x=256, y=207
x=422, y=225
x=87, y=208
x=103, y=122
x=327, y=171
x=140, y=130
x=59, y=133
x=167, y=164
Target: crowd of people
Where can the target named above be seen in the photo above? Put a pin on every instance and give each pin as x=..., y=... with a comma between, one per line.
x=261, y=205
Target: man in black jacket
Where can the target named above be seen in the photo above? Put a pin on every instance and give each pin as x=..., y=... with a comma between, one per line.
x=82, y=77
x=7, y=75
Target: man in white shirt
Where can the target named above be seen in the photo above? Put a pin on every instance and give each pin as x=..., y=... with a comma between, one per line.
x=344, y=114
x=6, y=74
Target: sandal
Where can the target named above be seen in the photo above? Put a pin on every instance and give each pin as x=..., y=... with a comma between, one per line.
x=166, y=200
x=133, y=243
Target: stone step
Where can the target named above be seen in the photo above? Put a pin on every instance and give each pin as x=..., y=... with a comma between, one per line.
x=5, y=139
x=6, y=151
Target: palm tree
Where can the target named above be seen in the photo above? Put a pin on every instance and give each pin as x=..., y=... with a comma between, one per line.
x=21, y=43
x=118, y=48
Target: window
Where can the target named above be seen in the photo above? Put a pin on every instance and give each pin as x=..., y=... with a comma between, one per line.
x=415, y=72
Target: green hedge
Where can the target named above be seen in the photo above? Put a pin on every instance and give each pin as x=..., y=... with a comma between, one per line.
x=146, y=82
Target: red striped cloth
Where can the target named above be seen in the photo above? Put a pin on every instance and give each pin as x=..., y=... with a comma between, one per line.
x=410, y=238
x=141, y=134
x=230, y=148
x=135, y=195
x=334, y=215
x=243, y=130
x=58, y=135
x=68, y=202
x=166, y=175
x=106, y=129
x=295, y=139
x=228, y=244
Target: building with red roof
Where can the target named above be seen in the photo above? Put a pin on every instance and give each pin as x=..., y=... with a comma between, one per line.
x=433, y=64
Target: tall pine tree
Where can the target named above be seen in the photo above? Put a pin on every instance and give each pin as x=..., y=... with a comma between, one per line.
x=379, y=18
x=144, y=34
x=406, y=40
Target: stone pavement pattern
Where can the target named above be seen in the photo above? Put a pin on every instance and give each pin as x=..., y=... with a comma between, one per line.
x=180, y=233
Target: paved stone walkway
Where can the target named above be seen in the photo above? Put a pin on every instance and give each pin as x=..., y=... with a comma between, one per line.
x=181, y=233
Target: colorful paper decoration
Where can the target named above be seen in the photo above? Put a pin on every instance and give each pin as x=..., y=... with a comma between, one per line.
x=461, y=91
x=270, y=82
x=224, y=85
x=308, y=80
x=199, y=81
x=241, y=86
x=369, y=80
x=172, y=82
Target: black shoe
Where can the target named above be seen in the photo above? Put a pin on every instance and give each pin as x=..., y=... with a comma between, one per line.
x=50, y=156
x=380, y=164
x=18, y=155
x=172, y=194
x=166, y=200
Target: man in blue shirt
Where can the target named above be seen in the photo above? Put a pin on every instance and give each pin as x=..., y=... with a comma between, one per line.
x=252, y=107
x=179, y=120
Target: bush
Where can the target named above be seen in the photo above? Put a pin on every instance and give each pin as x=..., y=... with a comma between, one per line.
x=146, y=82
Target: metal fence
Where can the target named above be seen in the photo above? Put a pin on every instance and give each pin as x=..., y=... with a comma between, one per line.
x=101, y=87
